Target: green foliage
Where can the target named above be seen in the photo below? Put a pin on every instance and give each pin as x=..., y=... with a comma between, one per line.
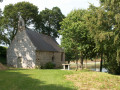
x=111, y=64
x=76, y=39
x=95, y=31
x=9, y=22
x=48, y=21
x=103, y=23
x=3, y=51
x=49, y=65
x=3, y=60
x=3, y=54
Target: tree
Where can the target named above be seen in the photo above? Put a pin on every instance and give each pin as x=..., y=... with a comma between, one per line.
x=29, y=13
x=1, y=0
x=0, y=22
x=48, y=21
x=113, y=12
x=103, y=23
x=76, y=39
x=98, y=28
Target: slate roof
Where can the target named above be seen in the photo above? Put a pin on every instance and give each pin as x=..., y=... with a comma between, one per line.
x=43, y=42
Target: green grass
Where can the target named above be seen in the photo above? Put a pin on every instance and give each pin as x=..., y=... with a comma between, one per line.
x=35, y=80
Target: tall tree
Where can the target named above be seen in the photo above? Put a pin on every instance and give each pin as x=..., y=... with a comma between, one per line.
x=49, y=21
x=112, y=7
x=0, y=23
x=103, y=23
x=10, y=17
x=75, y=35
x=98, y=28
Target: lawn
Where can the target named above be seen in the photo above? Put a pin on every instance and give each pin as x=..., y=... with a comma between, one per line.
x=35, y=80
x=90, y=80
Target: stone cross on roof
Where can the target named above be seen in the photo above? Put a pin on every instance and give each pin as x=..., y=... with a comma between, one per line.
x=21, y=23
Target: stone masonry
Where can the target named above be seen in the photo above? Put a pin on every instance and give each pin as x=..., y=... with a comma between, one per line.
x=21, y=47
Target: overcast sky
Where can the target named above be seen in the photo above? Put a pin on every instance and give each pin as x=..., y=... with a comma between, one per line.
x=65, y=5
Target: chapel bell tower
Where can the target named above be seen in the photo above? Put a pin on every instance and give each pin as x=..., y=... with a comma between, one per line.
x=21, y=23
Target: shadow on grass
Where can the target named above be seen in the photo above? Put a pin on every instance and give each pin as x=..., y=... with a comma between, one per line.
x=13, y=80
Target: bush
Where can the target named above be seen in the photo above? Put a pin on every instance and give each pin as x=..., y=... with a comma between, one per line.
x=49, y=65
x=111, y=65
x=3, y=51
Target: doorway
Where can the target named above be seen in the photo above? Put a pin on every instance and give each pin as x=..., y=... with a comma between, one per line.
x=19, y=62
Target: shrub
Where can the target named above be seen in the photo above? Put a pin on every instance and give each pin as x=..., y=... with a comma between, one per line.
x=3, y=51
x=111, y=65
x=49, y=65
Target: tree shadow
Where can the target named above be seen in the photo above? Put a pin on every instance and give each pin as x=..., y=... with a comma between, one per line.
x=13, y=80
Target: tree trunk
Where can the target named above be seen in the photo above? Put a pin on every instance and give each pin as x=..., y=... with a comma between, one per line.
x=81, y=63
x=86, y=63
x=95, y=63
x=68, y=61
x=76, y=65
x=101, y=62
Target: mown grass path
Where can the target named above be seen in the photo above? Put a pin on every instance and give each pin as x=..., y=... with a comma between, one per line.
x=35, y=80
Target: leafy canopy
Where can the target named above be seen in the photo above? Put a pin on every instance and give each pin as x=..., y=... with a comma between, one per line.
x=10, y=18
x=49, y=21
x=75, y=35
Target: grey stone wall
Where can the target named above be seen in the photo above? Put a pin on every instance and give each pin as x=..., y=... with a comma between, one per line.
x=21, y=52
x=43, y=57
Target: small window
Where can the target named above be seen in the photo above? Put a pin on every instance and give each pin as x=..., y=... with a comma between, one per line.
x=53, y=58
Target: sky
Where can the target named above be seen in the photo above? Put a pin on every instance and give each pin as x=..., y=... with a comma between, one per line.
x=66, y=6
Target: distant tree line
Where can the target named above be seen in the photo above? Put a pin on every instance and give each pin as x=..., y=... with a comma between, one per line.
x=94, y=32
